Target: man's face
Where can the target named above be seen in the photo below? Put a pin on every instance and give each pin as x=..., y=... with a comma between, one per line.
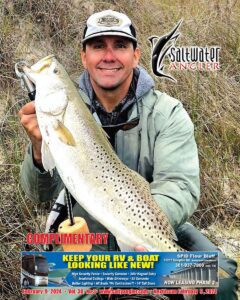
x=110, y=61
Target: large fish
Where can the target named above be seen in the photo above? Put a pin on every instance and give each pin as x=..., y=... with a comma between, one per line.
x=116, y=196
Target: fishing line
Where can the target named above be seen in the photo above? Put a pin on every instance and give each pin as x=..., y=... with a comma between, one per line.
x=68, y=202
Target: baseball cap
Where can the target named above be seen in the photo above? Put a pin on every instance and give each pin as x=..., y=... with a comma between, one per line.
x=109, y=22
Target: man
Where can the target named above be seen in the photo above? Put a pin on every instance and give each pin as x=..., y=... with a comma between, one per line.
x=159, y=143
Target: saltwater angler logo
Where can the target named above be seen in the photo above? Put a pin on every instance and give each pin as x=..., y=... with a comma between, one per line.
x=181, y=58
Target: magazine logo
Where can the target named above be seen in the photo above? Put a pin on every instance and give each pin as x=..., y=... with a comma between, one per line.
x=181, y=58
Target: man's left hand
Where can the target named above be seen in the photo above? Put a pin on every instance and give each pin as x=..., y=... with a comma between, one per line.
x=140, y=249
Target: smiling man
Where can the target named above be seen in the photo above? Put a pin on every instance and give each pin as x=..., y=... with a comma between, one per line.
x=110, y=60
x=150, y=131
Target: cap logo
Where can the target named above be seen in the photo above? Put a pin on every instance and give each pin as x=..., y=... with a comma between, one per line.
x=109, y=21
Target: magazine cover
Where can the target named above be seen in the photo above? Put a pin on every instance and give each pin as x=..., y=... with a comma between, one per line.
x=119, y=150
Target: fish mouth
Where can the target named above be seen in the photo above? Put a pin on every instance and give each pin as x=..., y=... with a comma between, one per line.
x=44, y=59
x=33, y=71
x=43, y=63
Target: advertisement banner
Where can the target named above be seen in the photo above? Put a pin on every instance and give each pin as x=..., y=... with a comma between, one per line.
x=119, y=269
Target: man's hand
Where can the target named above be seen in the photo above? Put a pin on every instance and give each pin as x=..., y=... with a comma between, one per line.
x=140, y=249
x=28, y=118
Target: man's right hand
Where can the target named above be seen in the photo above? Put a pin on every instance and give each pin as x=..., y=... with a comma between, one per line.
x=28, y=118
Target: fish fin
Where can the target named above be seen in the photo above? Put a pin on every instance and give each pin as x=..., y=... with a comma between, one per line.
x=47, y=159
x=64, y=134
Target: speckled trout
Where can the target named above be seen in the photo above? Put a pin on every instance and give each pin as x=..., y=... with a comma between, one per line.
x=116, y=196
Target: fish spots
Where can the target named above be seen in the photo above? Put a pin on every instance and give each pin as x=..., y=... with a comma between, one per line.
x=131, y=200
